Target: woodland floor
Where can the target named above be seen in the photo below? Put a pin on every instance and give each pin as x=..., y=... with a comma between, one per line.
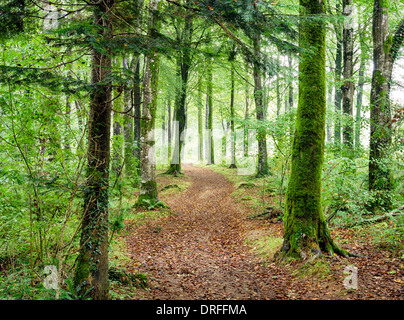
x=207, y=248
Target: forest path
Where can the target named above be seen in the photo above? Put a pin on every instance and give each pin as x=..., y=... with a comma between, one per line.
x=199, y=252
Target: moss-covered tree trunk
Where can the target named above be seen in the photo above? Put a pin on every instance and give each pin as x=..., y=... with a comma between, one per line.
x=148, y=185
x=92, y=263
x=305, y=229
x=385, y=51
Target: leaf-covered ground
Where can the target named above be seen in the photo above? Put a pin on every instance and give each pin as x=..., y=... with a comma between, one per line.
x=207, y=248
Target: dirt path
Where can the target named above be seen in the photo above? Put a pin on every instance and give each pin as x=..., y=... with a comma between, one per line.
x=200, y=252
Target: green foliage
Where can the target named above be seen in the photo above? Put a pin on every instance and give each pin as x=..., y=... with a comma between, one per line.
x=45, y=89
x=346, y=197
x=12, y=17
x=153, y=204
x=23, y=282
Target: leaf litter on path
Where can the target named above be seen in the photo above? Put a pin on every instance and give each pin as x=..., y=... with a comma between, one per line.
x=201, y=252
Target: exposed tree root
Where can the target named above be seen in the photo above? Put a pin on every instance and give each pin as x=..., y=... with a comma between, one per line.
x=174, y=169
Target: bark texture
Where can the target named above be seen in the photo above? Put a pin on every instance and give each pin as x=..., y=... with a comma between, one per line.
x=232, y=113
x=385, y=50
x=306, y=232
x=184, y=59
x=337, y=79
x=92, y=263
x=262, y=162
x=348, y=87
x=210, y=150
x=200, y=122
x=364, y=56
x=148, y=186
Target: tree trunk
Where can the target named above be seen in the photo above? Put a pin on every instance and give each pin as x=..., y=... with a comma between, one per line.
x=200, y=122
x=337, y=75
x=348, y=87
x=385, y=50
x=232, y=113
x=306, y=231
x=169, y=129
x=137, y=109
x=127, y=126
x=163, y=124
x=117, y=134
x=246, y=114
x=92, y=263
x=262, y=165
x=148, y=186
x=328, y=123
x=183, y=67
x=361, y=83
x=290, y=83
x=278, y=95
x=209, y=116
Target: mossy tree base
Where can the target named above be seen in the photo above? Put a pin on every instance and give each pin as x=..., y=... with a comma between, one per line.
x=148, y=194
x=174, y=169
x=309, y=242
x=145, y=201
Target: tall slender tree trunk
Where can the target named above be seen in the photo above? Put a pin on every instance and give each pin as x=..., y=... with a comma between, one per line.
x=337, y=80
x=137, y=91
x=209, y=115
x=246, y=113
x=148, y=184
x=92, y=263
x=117, y=134
x=68, y=121
x=290, y=83
x=169, y=133
x=348, y=87
x=200, y=122
x=232, y=113
x=127, y=126
x=163, y=124
x=328, y=123
x=262, y=163
x=278, y=95
x=137, y=109
x=361, y=83
x=306, y=232
x=183, y=68
x=385, y=51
